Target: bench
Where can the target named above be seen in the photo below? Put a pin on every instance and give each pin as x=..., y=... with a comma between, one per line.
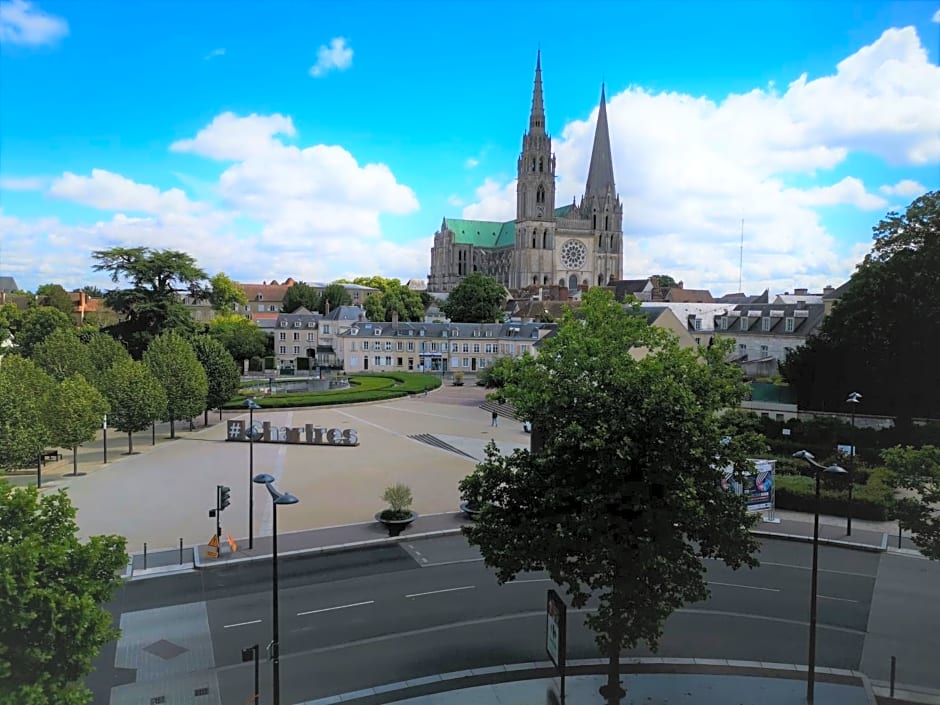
x=47, y=455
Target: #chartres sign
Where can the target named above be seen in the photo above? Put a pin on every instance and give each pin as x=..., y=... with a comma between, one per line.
x=301, y=435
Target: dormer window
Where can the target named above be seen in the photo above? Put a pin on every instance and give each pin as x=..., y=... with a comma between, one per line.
x=765, y=324
x=259, y=297
x=789, y=324
x=535, y=334
x=377, y=331
x=697, y=323
x=743, y=322
x=724, y=323
x=298, y=324
x=284, y=324
x=421, y=332
x=443, y=333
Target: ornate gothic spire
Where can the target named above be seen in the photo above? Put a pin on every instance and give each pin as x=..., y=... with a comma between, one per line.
x=537, y=117
x=601, y=171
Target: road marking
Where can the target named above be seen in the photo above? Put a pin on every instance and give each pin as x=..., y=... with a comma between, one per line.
x=462, y=560
x=840, y=599
x=806, y=567
x=242, y=624
x=746, y=587
x=532, y=580
x=435, y=592
x=338, y=607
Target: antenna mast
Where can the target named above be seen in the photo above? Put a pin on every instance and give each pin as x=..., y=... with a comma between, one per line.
x=741, y=259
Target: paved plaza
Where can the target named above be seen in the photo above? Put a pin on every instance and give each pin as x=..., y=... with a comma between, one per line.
x=164, y=493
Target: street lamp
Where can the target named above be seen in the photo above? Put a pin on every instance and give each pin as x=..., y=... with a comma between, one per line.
x=818, y=469
x=278, y=498
x=252, y=434
x=854, y=399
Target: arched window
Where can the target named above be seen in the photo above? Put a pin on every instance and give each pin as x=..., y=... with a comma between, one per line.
x=541, y=164
x=572, y=282
x=600, y=279
x=540, y=194
x=600, y=242
x=606, y=222
x=535, y=278
x=545, y=280
x=533, y=239
x=545, y=241
x=595, y=221
x=533, y=163
x=561, y=282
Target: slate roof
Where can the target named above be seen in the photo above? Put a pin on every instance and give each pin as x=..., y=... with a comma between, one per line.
x=344, y=313
x=804, y=325
x=678, y=295
x=740, y=298
x=600, y=179
x=474, y=331
x=8, y=285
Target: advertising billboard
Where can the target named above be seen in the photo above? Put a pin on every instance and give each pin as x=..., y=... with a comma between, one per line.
x=757, y=486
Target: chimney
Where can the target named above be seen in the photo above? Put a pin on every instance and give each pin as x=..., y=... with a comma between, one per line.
x=394, y=319
x=362, y=316
x=326, y=307
x=800, y=292
x=828, y=289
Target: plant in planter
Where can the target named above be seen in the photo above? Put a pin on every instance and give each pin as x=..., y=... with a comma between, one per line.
x=458, y=379
x=471, y=509
x=398, y=516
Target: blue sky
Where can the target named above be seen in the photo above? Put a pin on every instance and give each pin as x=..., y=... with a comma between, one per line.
x=207, y=127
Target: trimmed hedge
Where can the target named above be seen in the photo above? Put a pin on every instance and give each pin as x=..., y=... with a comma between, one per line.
x=870, y=501
x=366, y=387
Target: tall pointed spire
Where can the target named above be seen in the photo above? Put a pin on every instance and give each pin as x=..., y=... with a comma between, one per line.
x=601, y=171
x=537, y=116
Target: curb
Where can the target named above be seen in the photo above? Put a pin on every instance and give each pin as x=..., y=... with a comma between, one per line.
x=444, y=682
x=904, y=694
x=838, y=543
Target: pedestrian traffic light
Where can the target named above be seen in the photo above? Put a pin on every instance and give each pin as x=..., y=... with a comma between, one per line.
x=225, y=497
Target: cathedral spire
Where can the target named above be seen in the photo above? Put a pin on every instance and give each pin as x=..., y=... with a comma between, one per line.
x=537, y=117
x=601, y=171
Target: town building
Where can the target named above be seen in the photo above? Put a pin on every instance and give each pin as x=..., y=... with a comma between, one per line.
x=267, y=297
x=304, y=340
x=573, y=246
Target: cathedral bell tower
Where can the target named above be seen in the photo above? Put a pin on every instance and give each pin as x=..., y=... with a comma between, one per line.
x=535, y=199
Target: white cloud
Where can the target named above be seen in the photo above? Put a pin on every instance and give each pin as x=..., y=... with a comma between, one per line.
x=337, y=56
x=22, y=183
x=232, y=138
x=214, y=54
x=905, y=187
x=109, y=191
x=21, y=22
x=936, y=17
x=689, y=169
x=471, y=163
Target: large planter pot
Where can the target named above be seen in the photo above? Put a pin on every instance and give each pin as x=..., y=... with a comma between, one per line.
x=396, y=526
x=471, y=510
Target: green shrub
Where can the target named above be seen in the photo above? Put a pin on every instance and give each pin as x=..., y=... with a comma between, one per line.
x=256, y=364
x=399, y=499
x=269, y=363
x=797, y=493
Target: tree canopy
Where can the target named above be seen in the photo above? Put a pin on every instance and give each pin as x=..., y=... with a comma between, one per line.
x=241, y=337
x=104, y=351
x=221, y=371
x=24, y=400
x=333, y=296
x=135, y=395
x=478, y=298
x=300, y=295
x=225, y=294
x=876, y=340
x=916, y=471
x=621, y=496
x=392, y=296
x=55, y=296
x=62, y=355
x=76, y=412
x=36, y=324
x=52, y=625
x=174, y=363
x=152, y=304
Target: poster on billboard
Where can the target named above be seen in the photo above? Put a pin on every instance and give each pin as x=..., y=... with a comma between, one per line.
x=757, y=485
x=555, y=634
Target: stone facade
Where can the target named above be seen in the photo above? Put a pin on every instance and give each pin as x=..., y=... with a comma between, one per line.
x=573, y=246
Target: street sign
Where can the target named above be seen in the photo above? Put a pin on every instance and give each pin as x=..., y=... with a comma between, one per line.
x=213, y=550
x=556, y=633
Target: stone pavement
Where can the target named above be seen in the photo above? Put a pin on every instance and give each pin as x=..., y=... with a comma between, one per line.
x=652, y=681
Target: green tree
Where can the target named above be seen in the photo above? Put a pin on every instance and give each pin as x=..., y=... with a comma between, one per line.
x=225, y=294
x=665, y=281
x=916, y=472
x=152, y=303
x=743, y=429
x=135, y=395
x=63, y=355
x=76, y=412
x=24, y=396
x=52, y=624
x=873, y=342
x=93, y=291
x=175, y=365
x=55, y=296
x=621, y=496
x=104, y=352
x=300, y=295
x=476, y=299
x=395, y=297
x=241, y=336
x=497, y=375
x=221, y=372
x=37, y=324
x=333, y=295
x=10, y=320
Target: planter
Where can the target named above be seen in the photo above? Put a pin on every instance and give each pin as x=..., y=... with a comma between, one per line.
x=471, y=510
x=457, y=384
x=395, y=526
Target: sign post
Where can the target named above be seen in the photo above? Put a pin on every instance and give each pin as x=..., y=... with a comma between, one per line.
x=104, y=427
x=556, y=635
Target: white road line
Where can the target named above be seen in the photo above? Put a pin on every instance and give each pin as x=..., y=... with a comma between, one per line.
x=338, y=607
x=840, y=599
x=242, y=624
x=462, y=560
x=746, y=587
x=435, y=592
x=532, y=580
x=806, y=567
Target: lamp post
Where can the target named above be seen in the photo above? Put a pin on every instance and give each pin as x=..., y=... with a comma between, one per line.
x=252, y=434
x=818, y=469
x=278, y=498
x=854, y=399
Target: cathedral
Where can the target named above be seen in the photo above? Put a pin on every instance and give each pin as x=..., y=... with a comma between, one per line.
x=572, y=246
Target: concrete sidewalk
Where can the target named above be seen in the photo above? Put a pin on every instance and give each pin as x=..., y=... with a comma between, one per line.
x=650, y=681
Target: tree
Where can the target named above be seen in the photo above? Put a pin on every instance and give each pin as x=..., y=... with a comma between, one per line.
x=665, y=281
x=63, y=355
x=497, y=375
x=221, y=372
x=476, y=299
x=152, y=304
x=241, y=336
x=916, y=471
x=76, y=412
x=54, y=296
x=225, y=294
x=104, y=352
x=621, y=496
x=333, y=295
x=52, y=625
x=37, y=324
x=300, y=294
x=92, y=292
x=392, y=297
x=136, y=397
x=873, y=342
x=24, y=392
x=174, y=364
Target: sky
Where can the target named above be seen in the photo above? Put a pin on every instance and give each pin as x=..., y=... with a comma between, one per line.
x=321, y=140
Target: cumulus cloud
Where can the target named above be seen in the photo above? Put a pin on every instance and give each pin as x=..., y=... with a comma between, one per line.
x=21, y=22
x=905, y=187
x=214, y=54
x=689, y=169
x=335, y=57
x=109, y=191
x=22, y=183
x=936, y=17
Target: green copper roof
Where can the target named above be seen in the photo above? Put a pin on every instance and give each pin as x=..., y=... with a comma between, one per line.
x=563, y=210
x=482, y=233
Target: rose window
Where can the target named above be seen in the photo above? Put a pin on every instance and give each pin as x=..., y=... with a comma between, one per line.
x=573, y=254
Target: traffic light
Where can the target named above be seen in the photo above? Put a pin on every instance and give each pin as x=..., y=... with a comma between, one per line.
x=225, y=497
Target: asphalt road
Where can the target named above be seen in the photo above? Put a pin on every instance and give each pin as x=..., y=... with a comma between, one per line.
x=359, y=619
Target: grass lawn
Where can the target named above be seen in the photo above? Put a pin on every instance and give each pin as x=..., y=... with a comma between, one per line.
x=363, y=387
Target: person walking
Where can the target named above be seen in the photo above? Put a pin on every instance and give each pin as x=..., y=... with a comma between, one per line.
x=495, y=422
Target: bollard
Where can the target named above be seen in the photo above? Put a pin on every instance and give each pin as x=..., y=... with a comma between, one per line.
x=145, y=555
x=899, y=536
x=894, y=661
x=181, y=551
